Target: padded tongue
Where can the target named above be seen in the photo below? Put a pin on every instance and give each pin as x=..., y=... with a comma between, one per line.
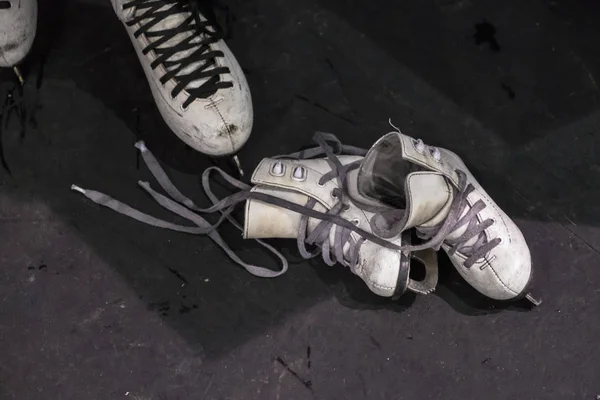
x=417, y=192
x=383, y=172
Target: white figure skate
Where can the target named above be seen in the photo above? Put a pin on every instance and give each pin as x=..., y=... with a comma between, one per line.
x=198, y=85
x=18, y=26
x=432, y=190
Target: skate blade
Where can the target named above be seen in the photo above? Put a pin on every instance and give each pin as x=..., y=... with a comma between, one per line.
x=535, y=302
x=19, y=76
x=236, y=160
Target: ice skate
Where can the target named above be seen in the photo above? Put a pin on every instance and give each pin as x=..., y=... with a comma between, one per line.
x=18, y=26
x=432, y=190
x=197, y=83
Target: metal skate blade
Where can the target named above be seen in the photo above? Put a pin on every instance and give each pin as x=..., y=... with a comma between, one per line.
x=533, y=300
x=18, y=73
x=429, y=260
x=236, y=160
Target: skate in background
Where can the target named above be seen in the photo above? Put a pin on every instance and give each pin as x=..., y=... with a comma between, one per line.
x=197, y=84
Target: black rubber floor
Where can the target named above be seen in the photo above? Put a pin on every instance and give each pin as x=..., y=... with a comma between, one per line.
x=94, y=305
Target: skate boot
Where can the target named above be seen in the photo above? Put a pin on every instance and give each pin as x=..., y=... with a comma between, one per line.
x=432, y=190
x=18, y=26
x=197, y=83
x=308, y=200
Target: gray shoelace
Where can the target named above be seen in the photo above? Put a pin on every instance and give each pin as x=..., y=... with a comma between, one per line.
x=481, y=246
x=320, y=235
x=438, y=235
x=185, y=207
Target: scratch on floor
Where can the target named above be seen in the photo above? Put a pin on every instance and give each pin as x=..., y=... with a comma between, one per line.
x=342, y=86
x=208, y=387
x=323, y=108
x=588, y=71
x=94, y=316
x=307, y=384
x=278, y=390
x=550, y=217
x=95, y=55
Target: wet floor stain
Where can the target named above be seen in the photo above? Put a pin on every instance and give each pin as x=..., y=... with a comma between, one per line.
x=485, y=33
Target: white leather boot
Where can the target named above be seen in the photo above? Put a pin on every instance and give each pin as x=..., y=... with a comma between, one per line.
x=310, y=201
x=432, y=190
x=18, y=26
x=197, y=83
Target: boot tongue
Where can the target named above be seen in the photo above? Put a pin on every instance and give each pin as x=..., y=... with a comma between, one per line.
x=428, y=198
x=383, y=172
x=416, y=191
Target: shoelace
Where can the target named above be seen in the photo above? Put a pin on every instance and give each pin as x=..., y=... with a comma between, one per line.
x=439, y=235
x=184, y=207
x=194, y=67
x=320, y=235
x=385, y=224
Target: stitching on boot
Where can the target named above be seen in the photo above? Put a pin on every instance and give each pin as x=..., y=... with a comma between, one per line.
x=249, y=204
x=296, y=188
x=229, y=133
x=380, y=286
x=500, y=280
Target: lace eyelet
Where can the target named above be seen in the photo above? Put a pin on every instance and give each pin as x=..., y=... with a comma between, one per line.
x=277, y=169
x=182, y=108
x=333, y=194
x=419, y=145
x=346, y=207
x=299, y=174
x=319, y=184
x=356, y=221
x=435, y=154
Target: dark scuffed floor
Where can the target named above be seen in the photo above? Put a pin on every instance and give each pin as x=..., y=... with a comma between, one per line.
x=96, y=306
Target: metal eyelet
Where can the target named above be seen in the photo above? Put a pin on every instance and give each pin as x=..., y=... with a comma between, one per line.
x=319, y=184
x=418, y=145
x=277, y=169
x=356, y=221
x=334, y=195
x=435, y=154
x=345, y=207
x=299, y=174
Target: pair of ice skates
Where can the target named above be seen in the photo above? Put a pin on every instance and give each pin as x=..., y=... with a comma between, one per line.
x=360, y=208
